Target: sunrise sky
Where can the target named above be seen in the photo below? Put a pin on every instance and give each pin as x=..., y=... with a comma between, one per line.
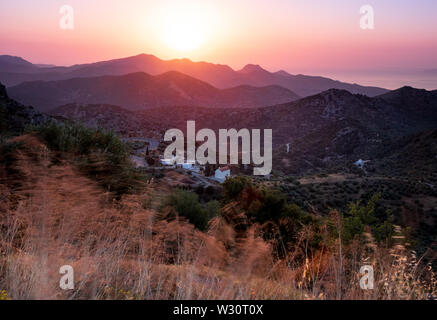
x=312, y=36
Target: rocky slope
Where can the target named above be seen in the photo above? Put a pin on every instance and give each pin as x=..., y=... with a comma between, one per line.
x=15, y=116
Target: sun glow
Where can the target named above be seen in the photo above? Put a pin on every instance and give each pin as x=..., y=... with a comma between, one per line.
x=185, y=27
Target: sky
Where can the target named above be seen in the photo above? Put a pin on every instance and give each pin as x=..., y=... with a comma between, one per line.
x=299, y=36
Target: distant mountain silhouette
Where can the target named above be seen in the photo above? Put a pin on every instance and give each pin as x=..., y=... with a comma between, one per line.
x=140, y=90
x=16, y=65
x=218, y=75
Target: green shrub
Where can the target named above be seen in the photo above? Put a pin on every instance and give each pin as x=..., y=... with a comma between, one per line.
x=187, y=204
x=384, y=231
x=358, y=216
x=232, y=187
x=352, y=227
x=81, y=140
x=99, y=153
x=273, y=207
x=212, y=208
x=366, y=213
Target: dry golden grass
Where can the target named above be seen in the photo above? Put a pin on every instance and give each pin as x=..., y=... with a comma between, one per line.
x=55, y=216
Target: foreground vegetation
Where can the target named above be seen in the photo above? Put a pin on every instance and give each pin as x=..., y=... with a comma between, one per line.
x=249, y=242
x=99, y=153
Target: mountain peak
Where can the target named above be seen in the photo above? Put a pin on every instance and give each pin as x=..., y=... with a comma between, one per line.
x=405, y=91
x=421, y=102
x=251, y=68
x=145, y=55
x=14, y=60
x=338, y=93
x=282, y=73
x=408, y=89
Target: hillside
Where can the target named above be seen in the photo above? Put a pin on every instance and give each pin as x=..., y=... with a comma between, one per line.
x=117, y=119
x=220, y=76
x=419, y=104
x=71, y=194
x=413, y=155
x=14, y=117
x=138, y=91
x=325, y=130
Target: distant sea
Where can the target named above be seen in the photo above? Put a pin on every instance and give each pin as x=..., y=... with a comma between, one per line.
x=421, y=79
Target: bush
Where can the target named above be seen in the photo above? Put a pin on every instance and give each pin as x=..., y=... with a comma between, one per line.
x=99, y=153
x=359, y=216
x=352, y=227
x=81, y=140
x=187, y=204
x=232, y=187
x=366, y=213
x=212, y=208
x=383, y=232
x=270, y=205
x=273, y=206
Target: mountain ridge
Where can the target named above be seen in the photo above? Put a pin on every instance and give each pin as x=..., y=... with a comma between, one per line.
x=329, y=128
x=141, y=90
x=219, y=75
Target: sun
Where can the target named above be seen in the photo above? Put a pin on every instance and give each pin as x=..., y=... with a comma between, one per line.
x=184, y=34
x=186, y=27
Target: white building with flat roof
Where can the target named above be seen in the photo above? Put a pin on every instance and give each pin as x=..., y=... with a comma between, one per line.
x=222, y=173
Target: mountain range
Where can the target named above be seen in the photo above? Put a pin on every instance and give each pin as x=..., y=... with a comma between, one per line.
x=15, y=70
x=323, y=130
x=140, y=90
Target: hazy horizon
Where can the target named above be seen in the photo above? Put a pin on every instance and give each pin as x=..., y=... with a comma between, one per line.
x=421, y=78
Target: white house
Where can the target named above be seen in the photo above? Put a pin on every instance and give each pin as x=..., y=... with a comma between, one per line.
x=170, y=162
x=191, y=166
x=187, y=165
x=360, y=163
x=221, y=174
